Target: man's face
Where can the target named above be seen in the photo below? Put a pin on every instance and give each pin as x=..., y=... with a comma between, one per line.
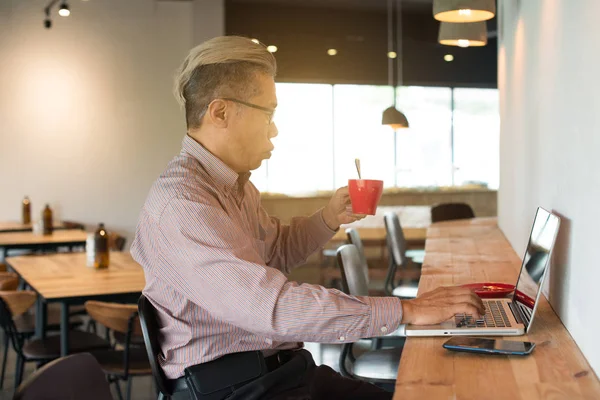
x=251, y=129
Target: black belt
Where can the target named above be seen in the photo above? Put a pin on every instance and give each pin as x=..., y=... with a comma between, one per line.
x=273, y=362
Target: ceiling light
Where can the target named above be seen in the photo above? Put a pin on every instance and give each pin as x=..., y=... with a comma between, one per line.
x=332, y=52
x=391, y=116
x=462, y=11
x=448, y=58
x=463, y=35
x=272, y=49
x=64, y=11
x=256, y=41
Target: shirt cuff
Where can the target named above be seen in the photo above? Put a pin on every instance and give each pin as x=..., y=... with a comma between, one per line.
x=386, y=315
x=320, y=232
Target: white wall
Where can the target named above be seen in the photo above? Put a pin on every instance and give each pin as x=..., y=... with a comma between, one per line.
x=87, y=115
x=549, y=80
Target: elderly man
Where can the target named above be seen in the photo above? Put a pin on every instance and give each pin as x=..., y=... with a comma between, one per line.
x=216, y=262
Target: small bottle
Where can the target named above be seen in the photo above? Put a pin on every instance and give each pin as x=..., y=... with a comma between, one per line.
x=26, y=211
x=47, y=227
x=101, y=257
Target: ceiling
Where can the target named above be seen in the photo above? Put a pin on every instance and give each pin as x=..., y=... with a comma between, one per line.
x=342, y=4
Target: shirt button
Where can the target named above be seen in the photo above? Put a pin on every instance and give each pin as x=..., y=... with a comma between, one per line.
x=384, y=329
x=342, y=338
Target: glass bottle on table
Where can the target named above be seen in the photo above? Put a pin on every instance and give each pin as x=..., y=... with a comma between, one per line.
x=101, y=257
x=47, y=227
x=26, y=211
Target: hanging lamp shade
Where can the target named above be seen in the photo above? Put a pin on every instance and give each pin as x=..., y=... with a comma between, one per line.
x=391, y=116
x=394, y=118
x=463, y=35
x=462, y=11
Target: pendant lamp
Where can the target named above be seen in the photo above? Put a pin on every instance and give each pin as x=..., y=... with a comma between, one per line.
x=463, y=35
x=392, y=116
x=463, y=11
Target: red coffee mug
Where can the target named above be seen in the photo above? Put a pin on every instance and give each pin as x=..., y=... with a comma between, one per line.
x=365, y=195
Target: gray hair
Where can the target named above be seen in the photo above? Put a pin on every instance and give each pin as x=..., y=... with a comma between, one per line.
x=223, y=66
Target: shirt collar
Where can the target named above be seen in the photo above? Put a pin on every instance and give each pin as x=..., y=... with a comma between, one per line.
x=221, y=173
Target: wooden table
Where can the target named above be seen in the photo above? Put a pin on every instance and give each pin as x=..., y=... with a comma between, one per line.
x=65, y=279
x=476, y=250
x=415, y=237
x=12, y=226
x=29, y=240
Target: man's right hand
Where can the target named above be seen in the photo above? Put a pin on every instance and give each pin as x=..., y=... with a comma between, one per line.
x=440, y=305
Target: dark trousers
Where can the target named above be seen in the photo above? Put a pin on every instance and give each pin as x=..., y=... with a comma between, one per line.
x=307, y=383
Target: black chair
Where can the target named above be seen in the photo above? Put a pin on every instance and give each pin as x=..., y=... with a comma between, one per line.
x=375, y=366
x=149, y=323
x=78, y=376
x=399, y=258
x=451, y=211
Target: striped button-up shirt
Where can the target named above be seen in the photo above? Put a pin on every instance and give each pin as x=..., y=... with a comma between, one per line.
x=216, y=265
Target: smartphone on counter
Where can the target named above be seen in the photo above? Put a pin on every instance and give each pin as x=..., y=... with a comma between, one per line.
x=489, y=346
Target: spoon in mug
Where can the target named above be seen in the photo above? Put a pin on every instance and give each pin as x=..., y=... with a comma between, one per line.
x=357, y=163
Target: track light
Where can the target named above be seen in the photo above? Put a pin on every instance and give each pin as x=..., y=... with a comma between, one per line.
x=64, y=11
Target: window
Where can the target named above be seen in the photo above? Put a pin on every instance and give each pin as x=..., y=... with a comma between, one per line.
x=424, y=151
x=358, y=133
x=476, y=136
x=323, y=128
x=301, y=161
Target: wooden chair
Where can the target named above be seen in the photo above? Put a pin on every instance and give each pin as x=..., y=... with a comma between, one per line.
x=120, y=364
x=451, y=211
x=73, y=377
x=73, y=225
x=16, y=303
x=25, y=323
x=8, y=281
x=116, y=242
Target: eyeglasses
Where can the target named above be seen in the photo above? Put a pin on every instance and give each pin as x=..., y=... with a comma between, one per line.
x=269, y=111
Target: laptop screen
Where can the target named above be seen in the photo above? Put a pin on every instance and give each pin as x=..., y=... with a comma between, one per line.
x=535, y=261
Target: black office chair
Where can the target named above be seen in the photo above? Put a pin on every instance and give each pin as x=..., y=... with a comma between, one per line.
x=399, y=258
x=149, y=322
x=451, y=211
x=376, y=366
x=78, y=376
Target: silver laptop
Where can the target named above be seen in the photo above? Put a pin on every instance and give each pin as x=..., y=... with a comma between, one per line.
x=508, y=316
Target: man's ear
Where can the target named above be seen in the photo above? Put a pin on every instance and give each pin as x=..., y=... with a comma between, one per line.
x=219, y=113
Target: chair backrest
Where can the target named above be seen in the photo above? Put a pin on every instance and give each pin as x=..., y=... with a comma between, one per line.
x=150, y=328
x=73, y=225
x=118, y=317
x=394, y=237
x=116, y=242
x=451, y=211
x=9, y=281
x=12, y=304
x=353, y=271
x=354, y=238
x=78, y=376
x=396, y=244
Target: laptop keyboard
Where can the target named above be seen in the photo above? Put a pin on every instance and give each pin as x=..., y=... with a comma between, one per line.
x=495, y=317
